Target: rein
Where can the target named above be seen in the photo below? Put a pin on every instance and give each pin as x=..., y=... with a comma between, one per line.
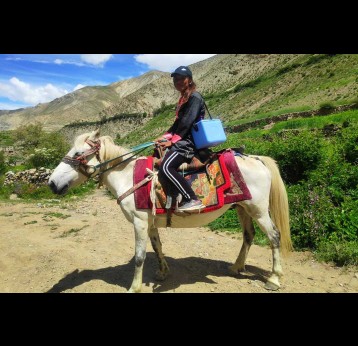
x=80, y=162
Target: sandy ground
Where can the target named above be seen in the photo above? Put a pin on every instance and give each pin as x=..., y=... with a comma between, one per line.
x=88, y=246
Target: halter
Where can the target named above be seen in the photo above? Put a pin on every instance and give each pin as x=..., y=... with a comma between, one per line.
x=80, y=162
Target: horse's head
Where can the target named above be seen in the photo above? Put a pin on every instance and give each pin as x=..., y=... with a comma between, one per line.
x=77, y=166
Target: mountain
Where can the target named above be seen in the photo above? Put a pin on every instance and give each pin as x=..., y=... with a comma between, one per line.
x=235, y=86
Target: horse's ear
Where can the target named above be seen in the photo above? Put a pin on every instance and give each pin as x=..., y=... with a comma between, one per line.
x=94, y=135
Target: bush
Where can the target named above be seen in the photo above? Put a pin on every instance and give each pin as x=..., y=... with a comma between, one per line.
x=347, y=141
x=341, y=253
x=42, y=149
x=309, y=218
x=2, y=163
x=297, y=155
x=326, y=106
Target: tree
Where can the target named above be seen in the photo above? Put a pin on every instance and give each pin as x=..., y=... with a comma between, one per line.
x=28, y=136
x=41, y=148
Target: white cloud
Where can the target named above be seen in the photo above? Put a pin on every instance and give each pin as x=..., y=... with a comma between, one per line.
x=78, y=86
x=169, y=62
x=11, y=106
x=96, y=59
x=16, y=90
x=58, y=61
x=119, y=78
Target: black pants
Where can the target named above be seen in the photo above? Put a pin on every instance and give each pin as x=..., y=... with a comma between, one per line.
x=171, y=180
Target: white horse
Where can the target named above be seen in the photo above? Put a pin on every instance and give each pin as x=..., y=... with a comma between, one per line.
x=93, y=155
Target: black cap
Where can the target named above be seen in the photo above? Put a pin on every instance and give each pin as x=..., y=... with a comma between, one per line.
x=182, y=70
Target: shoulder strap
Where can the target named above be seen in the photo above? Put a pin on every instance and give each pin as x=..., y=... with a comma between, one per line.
x=205, y=105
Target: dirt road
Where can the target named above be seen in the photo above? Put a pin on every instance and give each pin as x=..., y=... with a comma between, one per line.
x=88, y=246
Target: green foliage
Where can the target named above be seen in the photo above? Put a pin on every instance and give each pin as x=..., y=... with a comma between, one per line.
x=250, y=84
x=347, y=140
x=341, y=253
x=29, y=136
x=30, y=192
x=5, y=191
x=287, y=68
x=326, y=105
x=105, y=119
x=314, y=59
x=308, y=215
x=322, y=173
x=163, y=108
x=297, y=155
x=227, y=221
x=6, y=138
x=2, y=163
x=42, y=149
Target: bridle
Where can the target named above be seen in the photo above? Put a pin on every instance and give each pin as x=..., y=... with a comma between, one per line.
x=80, y=162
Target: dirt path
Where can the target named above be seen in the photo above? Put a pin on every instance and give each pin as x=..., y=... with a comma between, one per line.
x=88, y=246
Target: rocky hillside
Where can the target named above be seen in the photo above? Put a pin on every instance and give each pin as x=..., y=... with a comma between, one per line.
x=236, y=87
x=141, y=94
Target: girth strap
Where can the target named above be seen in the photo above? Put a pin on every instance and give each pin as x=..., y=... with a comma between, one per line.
x=136, y=186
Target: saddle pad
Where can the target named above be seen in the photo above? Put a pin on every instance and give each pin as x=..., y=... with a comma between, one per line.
x=224, y=186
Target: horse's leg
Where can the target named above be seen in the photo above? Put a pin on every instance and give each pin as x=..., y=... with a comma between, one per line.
x=268, y=227
x=163, y=271
x=141, y=237
x=248, y=237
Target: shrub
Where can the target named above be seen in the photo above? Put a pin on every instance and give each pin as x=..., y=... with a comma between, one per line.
x=309, y=218
x=325, y=106
x=347, y=141
x=297, y=155
x=341, y=253
x=2, y=163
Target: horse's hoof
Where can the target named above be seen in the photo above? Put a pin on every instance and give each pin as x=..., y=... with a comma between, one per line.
x=271, y=286
x=160, y=276
x=131, y=290
x=234, y=270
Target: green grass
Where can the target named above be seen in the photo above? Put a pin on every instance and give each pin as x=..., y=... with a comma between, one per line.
x=29, y=192
x=30, y=223
x=317, y=122
x=72, y=231
x=341, y=254
x=6, y=138
x=155, y=127
x=58, y=215
x=229, y=222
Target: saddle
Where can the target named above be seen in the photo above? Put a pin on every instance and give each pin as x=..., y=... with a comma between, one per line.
x=219, y=183
x=202, y=158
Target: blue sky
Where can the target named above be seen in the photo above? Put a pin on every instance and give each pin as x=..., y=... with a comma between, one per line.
x=29, y=79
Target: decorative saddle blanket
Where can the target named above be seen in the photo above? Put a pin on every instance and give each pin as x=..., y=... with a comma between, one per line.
x=222, y=183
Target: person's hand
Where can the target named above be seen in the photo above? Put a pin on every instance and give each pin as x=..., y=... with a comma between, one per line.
x=157, y=140
x=165, y=144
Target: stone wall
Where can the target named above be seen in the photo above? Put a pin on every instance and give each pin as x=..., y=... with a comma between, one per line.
x=34, y=176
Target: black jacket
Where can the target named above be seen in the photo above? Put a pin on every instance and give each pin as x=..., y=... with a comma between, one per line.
x=189, y=113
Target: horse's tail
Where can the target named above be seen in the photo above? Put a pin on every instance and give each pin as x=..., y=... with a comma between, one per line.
x=279, y=204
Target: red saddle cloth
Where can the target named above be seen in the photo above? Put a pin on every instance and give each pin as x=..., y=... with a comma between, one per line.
x=225, y=184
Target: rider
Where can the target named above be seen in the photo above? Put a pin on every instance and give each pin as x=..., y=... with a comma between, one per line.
x=178, y=140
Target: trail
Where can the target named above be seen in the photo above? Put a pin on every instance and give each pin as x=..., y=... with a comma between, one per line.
x=87, y=245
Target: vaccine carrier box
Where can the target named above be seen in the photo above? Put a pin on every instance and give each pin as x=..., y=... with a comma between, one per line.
x=208, y=133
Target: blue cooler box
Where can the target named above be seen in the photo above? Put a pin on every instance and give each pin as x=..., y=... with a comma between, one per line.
x=208, y=133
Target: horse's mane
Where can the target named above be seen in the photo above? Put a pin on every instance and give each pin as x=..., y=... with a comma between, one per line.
x=109, y=150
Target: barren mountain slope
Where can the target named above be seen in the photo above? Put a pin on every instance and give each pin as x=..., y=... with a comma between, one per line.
x=144, y=93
